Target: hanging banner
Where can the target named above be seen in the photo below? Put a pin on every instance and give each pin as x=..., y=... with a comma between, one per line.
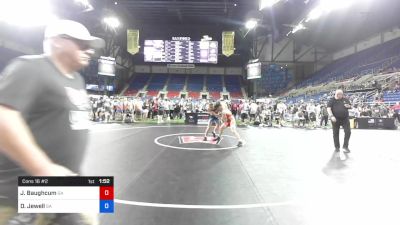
x=133, y=41
x=228, y=43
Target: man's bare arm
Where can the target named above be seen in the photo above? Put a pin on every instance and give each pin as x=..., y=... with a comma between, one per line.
x=333, y=118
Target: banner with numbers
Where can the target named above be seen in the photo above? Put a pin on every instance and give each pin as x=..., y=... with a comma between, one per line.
x=133, y=41
x=228, y=43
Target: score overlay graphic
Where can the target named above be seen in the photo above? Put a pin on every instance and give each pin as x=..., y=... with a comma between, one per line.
x=65, y=194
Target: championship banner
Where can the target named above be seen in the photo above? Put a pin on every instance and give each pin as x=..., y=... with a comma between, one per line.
x=228, y=43
x=133, y=41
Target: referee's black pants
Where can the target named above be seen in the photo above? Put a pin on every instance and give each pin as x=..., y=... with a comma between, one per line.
x=397, y=116
x=345, y=123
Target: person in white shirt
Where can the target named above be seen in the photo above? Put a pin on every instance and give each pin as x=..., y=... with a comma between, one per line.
x=107, y=110
x=245, y=111
x=311, y=109
x=170, y=109
x=253, y=111
x=268, y=115
x=318, y=111
x=128, y=112
x=281, y=107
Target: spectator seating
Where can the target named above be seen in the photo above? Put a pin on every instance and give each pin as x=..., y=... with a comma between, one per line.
x=214, y=86
x=275, y=79
x=216, y=95
x=194, y=94
x=137, y=84
x=195, y=83
x=131, y=92
x=369, y=61
x=176, y=82
x=157, y=82
x=391, y=96
x=173, y=94
x=359, y=70
x=214, y=83
x=232, y=83
x=236, y=95
x=233, y=86
x=153, y=93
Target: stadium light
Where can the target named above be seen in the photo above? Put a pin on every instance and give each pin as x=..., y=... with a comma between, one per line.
x=327, y=6
x=299, y=27
x=330, y=5
x=86, y=4
x=251, y=24
x=206, y=38
x=315, y=13
x=267, y=3
x=27, y=13
x=112, y=22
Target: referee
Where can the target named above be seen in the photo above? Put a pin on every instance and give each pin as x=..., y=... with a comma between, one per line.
x=338, y=109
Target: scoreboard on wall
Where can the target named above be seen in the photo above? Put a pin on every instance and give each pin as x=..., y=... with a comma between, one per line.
x=254, y=70
x=181, y=50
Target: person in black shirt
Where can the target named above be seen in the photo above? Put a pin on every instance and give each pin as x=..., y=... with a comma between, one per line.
x=324, y=116
x=44, y=124
x=338, y=109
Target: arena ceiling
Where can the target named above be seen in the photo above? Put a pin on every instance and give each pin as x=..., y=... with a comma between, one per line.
x=223, y=14
x=186, y=12
x=345, y=27
x=166, y=18
x=161, y=19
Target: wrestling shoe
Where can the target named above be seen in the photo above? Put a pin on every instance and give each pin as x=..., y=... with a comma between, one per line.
x=346, y=150
x=218, y=139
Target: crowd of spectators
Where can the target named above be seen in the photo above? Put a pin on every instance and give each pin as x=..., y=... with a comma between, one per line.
x=263, y=112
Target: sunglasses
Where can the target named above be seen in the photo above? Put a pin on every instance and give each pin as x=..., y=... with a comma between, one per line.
x=83, y=45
